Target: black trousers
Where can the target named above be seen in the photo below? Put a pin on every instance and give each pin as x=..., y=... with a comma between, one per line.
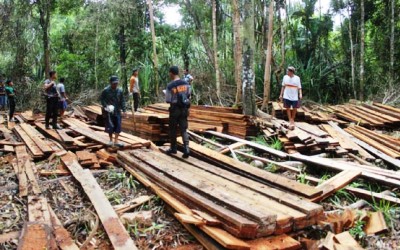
x=135, y=101
x=178, y=117
x=11, y=106
x=51, y=111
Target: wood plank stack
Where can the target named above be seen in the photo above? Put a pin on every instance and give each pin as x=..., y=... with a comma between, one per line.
x=221, y=119
x=246, y=208
x=384, y=143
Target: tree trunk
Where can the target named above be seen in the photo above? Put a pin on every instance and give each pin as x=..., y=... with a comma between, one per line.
x=267, y=73
x=96, y=48
x=122, y=57
x=362, y=47
x=44, y=7
x=353, y=70
x=215, y=48
x=237, y=53
x=153, y=36
x=249, y=104
x=392, y=26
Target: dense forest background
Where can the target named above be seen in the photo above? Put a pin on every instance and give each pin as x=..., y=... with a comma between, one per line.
x=86, y=41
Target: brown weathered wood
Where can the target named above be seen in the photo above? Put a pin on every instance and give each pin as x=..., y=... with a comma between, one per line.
x=116, y=232
x=376, y=224
x=281, y=242
x=136, y=202
x=209, y=220
x=65, y=137
x=6, y=237
x=36, y=137
x=189, y=219
x=36, y=236
x=33, y=148
x=336, y=183
x=31, y=177
x=347, y=241
x=62, y=236
x=258, y=174
x=180, y=207
x=285, y=198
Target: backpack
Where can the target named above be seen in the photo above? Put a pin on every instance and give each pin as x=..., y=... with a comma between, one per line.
x=183, y=100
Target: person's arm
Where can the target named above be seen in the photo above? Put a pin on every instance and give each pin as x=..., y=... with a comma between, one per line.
x=282, y=90
x=48, y=84
x=300, y=90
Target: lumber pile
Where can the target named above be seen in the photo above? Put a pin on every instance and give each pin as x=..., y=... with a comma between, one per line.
x=221, y=119
x=220, y=192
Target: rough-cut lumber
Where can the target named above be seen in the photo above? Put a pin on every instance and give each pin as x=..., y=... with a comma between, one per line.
x=311, y=129
x=376, y=224
x=258, y=174
x=371, y=149
x=269, y=150
x=288, y=199
x=37, y=138
x=234, y=223
x=208, y=219
x=33, y=148
x=116, y=232
x=347, y=241
x=62, y=236
x=36, y=236
x=31, y=177
x=136, y=202
x=281, y=242
x=189, y=219
x=227, y=243
x=335, y=183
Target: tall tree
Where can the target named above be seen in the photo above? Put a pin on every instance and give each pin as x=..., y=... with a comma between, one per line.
x=153, y=36
x=44, y=8
x=237, y=53
x=362, y=52
x=267, y=72
x=353, y=66
x=215, y=47
x=392, y=30
x=122, y=56
x=249, y=104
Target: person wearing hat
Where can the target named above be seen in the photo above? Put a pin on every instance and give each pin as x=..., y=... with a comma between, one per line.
x=134, y=90
x=10, y=91
x=177, y=94
x=291, y=94
x=113, y=102
x=50, y=92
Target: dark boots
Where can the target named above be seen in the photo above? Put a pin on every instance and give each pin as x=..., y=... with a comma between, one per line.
x=186, y=150
x=172, y=150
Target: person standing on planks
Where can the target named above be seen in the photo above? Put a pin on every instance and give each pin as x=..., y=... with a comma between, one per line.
x=134, y=90
x=178, y=95
x=291, y=94
x=2, y=96
x=62, y=103
x=112, y=101
x=10, y=91
x=51, y=95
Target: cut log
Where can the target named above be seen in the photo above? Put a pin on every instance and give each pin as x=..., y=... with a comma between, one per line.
x=116, y=232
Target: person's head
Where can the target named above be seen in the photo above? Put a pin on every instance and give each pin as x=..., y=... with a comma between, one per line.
x=135, y=72
x=53, y=74
x=186, y=71
x=9, y=83
x=114, y=82
x=290, y=71
x=62, y=79
x=173, y=72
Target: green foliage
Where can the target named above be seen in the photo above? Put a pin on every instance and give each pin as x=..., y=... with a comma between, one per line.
x=302, y=178
x=358, y=230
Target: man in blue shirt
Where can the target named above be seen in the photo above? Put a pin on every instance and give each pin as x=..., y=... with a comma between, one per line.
x=178, y=95
x=50, y=88
x=112, y=100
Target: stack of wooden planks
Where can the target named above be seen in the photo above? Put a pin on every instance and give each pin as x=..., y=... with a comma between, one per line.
x=246, y=207
x=221, y=119
x=384, y=143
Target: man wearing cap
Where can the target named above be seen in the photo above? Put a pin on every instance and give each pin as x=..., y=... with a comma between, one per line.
x=291, y=94
x=112, y=100
x=50, y=91
x=177, y=94
x=134, y=90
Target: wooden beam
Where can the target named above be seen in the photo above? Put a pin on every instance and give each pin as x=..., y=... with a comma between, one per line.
x=116, y=232
x=62, y=236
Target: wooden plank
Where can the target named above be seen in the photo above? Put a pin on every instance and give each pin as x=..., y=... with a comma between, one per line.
x=336, y=183
x=208, y=219
x=38, y=210
x=373, y=196
x=189, y=219
x=382, y=111
x=269, y=150
x=136, y=202
x=116, y=232
x=257, y=174
x=229, y=148
x=65, y=137
x=387, y=107
x=371, y=149
x=6, y=237
x=392, y=144
x=33, y=148
x=281, y=242
x=182, y=208
x=311, y=129
x=62, y=236
x=234, y=223
x=31, y=177
x=376, y=224
x=37, y=138
x=285, y=198
x=345, y=239
x=36, y=236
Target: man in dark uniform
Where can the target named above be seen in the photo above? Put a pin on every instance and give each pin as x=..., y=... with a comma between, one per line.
x=112, y=100
x=50, y=88
x=178, y=95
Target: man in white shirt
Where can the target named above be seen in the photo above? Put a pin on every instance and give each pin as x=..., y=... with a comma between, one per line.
x=134, y=89
x=291, y=94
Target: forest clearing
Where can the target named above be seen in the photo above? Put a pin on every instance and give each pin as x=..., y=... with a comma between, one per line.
x=182, y=124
